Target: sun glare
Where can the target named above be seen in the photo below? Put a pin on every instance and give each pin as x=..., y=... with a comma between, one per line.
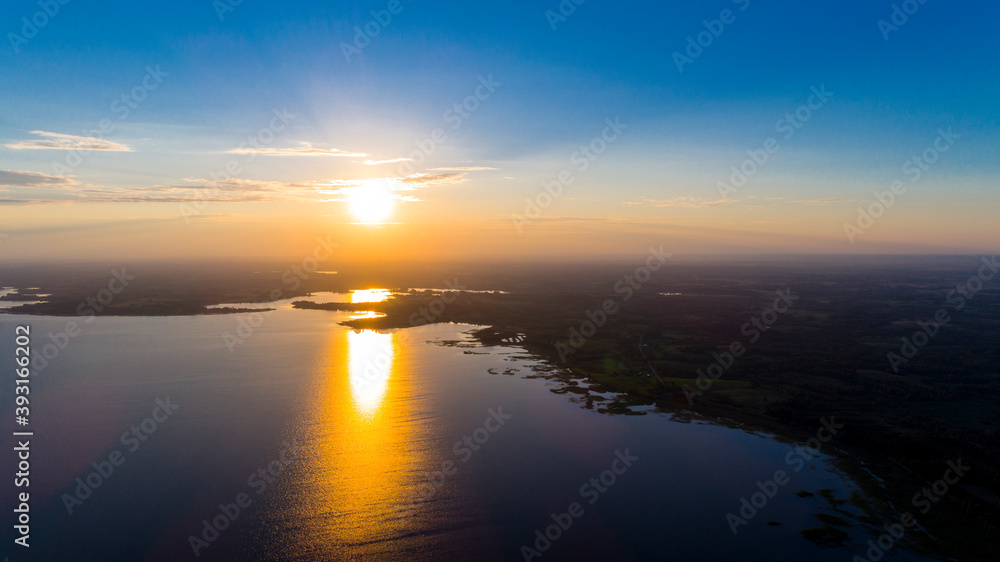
x=370, y=295
x=372, y=201
x=370, y=357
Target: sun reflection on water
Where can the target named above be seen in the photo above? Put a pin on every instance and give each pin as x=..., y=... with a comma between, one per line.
x=367, y=452
x=369, y=365
x=367, y=314
x=370, y=295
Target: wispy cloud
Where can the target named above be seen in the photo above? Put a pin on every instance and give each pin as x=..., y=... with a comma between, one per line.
x=20, y=202
x=560, y=219
x=34, y=179
x=425, y=180
x=231, y=184
x=682, y=202
x=222, y=193
x=392, y=161
x=127, y=197
x=462, y=169
x=825, y=201
x=59, y=141
x=304, y=149
x=239, y=190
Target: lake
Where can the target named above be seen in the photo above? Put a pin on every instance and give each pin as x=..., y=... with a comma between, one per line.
x=323, y=443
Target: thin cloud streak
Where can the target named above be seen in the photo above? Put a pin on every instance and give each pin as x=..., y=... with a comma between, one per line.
x=59, y=141
x=462, y=169
x=237, y=190
x=392, y=161
x=34, y=179
x=304, y=149
x=682, y=202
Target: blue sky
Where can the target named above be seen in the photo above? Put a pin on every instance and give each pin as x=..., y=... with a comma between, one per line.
x=605, y=60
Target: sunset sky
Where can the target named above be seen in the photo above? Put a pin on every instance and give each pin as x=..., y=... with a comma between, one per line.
x=425, y=139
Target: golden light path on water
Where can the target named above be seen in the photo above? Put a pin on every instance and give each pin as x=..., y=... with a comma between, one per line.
x=365, y=450
x=370, y=364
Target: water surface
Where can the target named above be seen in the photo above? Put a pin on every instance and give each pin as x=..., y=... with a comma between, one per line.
x=380, y=470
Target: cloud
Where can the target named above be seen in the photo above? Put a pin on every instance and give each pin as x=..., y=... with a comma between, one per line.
x=825, y=201
x=304, y=149
x=462, y=169
x=33, y=179
x=683, y=202
x=126, y=197
x=425, y=180
x=174, y=194
x=239, y=185
x=237, y=190
x=392, y=161
x=58, y=141
x=561, y=219
x=233, y=190
x=214, y=217
x=231, y=184
x=31, y=201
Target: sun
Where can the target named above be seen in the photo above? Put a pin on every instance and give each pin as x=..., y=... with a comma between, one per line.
x=372, y=201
